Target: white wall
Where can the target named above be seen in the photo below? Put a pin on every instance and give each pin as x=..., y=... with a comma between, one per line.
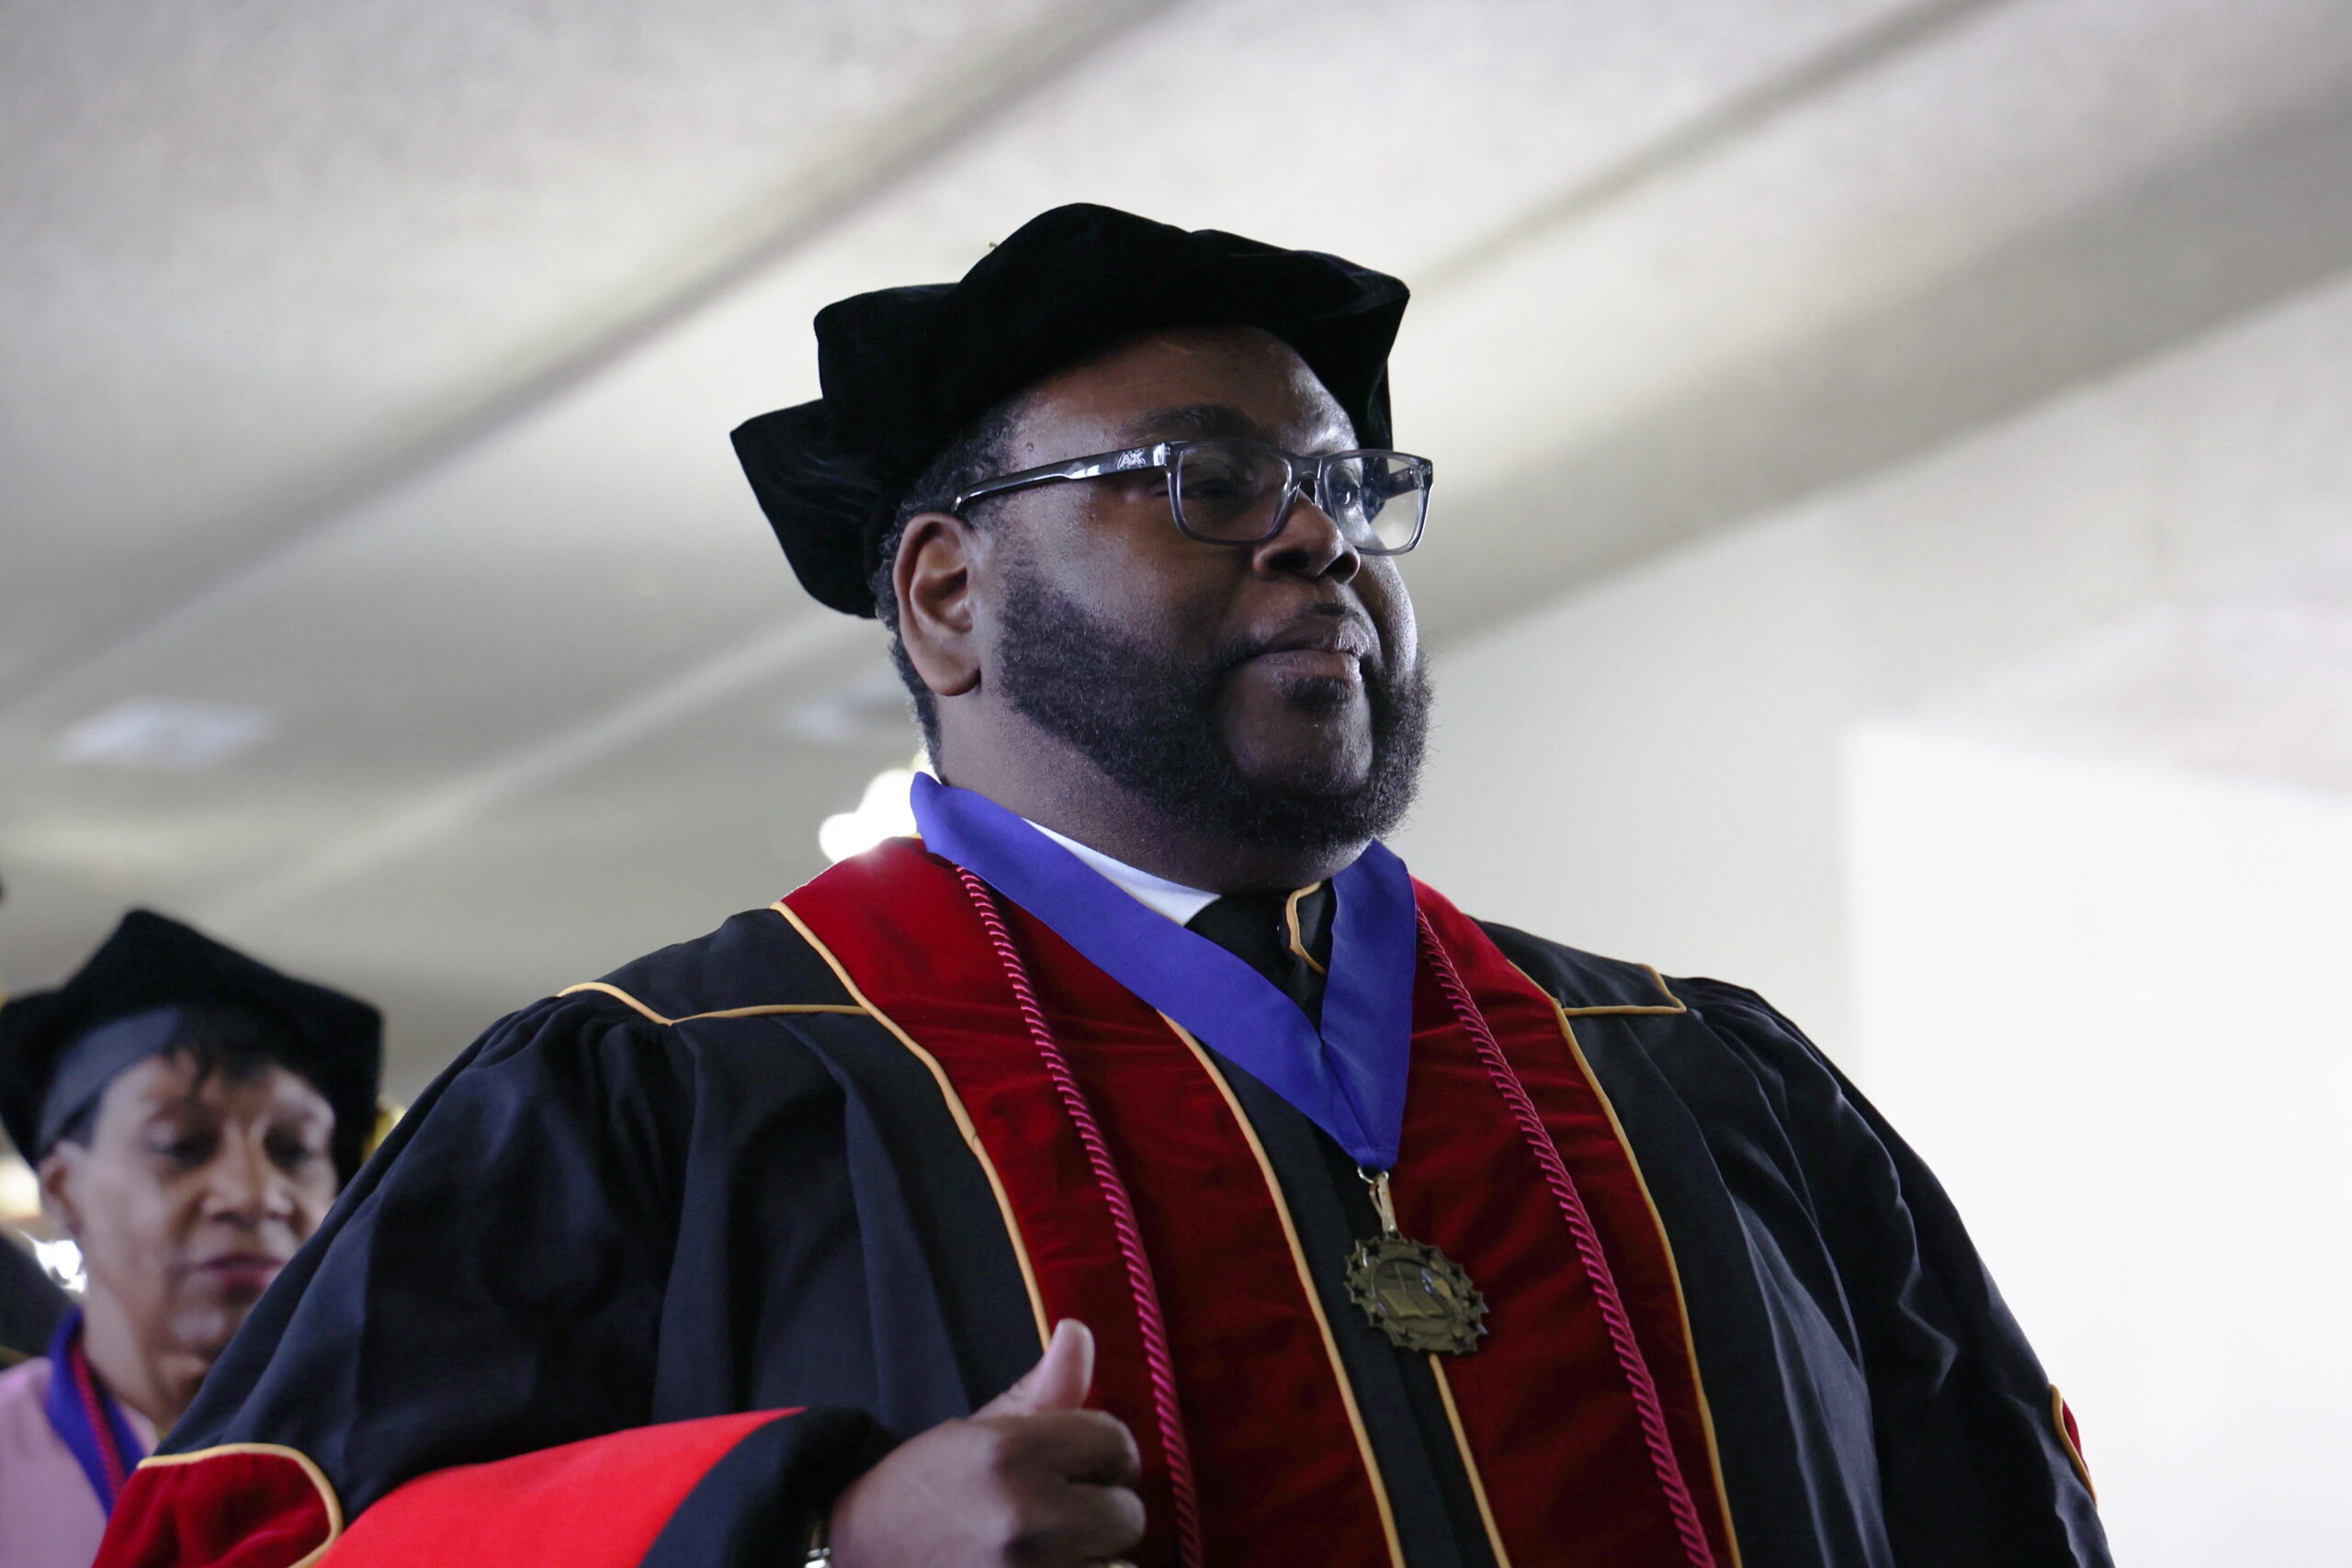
x=1650, y=767
x=2101, y=998
x=2022, y=775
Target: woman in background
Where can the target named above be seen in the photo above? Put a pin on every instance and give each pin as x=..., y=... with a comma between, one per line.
x=191, y=1114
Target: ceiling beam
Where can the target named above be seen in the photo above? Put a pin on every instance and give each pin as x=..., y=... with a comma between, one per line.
x=934, y=125
x=436, y=814
x=2251, y=220
x=1864, y=52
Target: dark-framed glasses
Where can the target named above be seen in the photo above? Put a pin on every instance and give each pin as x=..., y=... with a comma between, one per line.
x=1227, y=490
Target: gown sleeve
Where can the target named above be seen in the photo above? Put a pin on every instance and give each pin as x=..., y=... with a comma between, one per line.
x=461, y=1364
x=30, y=1306
x=1976, y=1463
x=1873, y=1401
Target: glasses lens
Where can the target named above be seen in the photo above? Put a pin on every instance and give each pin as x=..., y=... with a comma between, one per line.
x=1229, y=491
x=1378, y=498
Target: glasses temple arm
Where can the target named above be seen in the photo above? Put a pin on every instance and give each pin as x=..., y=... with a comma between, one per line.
x=1094, y=467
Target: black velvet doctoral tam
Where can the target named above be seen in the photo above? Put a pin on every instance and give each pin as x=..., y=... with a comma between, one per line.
x=903, y=370
x=152, y=963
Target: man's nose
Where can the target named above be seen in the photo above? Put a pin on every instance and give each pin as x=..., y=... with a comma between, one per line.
x=1309, y=544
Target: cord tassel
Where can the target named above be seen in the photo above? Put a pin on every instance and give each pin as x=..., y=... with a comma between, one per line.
x=1160, y=1368
x=1646, y=1403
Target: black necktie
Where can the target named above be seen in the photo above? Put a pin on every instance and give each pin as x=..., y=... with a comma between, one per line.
x=1255, y=927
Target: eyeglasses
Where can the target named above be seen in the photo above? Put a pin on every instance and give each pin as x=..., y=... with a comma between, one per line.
x=1230, y=491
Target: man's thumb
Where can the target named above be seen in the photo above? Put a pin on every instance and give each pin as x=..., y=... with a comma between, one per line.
x=1059, y=1380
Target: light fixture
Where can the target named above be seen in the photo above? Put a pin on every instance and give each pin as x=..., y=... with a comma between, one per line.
x=19, y=1192
x=172, y=735
x=883, y=812
x=63, y=1260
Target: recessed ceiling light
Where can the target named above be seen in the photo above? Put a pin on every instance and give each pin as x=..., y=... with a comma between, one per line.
x=171, y=735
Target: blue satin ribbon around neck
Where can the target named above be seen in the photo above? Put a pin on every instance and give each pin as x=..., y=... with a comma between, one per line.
x=1348, y=1078
x=71, y=1420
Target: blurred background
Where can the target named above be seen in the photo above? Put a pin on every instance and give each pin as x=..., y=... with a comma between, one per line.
x=1893, y=544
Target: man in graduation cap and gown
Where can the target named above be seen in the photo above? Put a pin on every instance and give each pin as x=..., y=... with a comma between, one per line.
x=191, y=1114
x=1397, y=1237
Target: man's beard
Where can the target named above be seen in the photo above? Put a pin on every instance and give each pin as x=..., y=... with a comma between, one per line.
x=1147, y=718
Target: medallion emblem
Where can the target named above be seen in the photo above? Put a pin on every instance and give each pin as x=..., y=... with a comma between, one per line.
x=1416, y=1295
x=1412, y=1291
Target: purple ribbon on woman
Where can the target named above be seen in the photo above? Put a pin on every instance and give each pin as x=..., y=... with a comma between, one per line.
x=86, y=1417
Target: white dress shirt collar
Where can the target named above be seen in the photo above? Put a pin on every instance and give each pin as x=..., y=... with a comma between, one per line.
x=1174, y=899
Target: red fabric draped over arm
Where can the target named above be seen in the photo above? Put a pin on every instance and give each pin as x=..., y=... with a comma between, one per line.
x=597, y=1504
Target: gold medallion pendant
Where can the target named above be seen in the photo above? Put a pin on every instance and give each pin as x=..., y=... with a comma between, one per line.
x=1412, y=1291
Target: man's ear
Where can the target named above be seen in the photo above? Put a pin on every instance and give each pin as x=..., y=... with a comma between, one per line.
x=932, y=580
x=56, y=1171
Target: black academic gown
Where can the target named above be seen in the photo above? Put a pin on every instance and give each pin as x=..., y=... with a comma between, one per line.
x=30, y=1306
x=719, y=1181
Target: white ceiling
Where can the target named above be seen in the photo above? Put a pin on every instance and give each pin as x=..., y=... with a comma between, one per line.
x=369, y=368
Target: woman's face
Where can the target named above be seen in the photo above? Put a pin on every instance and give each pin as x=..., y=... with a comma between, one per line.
x=187, y=1200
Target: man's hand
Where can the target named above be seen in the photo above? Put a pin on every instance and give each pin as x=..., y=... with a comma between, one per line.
x=1030, y=1480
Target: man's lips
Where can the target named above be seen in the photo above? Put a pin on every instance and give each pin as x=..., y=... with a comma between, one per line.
x=1327, y=648
x=1326, y=663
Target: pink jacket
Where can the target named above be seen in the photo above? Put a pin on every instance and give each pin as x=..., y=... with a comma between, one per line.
x=49, y=1515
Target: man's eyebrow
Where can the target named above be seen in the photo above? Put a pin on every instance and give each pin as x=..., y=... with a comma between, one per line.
x=1194, y=420
x=1203, y=420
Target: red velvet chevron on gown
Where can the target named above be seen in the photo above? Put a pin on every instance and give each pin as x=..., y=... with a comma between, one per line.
x=1551, y=1428
x=243, y=1506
